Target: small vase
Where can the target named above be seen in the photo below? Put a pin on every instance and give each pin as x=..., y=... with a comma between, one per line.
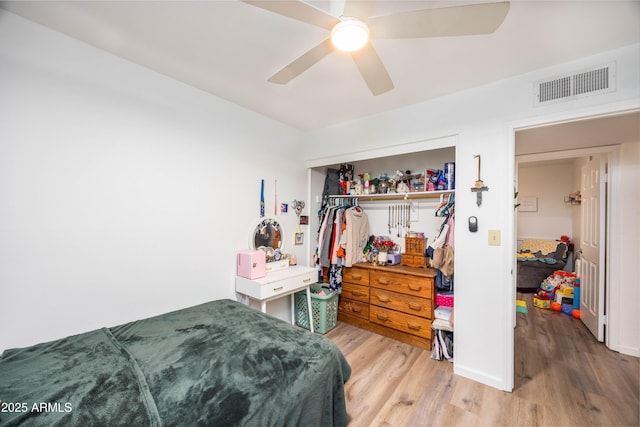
x=372, y=257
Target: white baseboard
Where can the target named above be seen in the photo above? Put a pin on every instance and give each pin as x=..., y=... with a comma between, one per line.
x=481, y=377
x=629, y=351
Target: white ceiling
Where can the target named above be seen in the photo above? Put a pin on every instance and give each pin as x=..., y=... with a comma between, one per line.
x=230, y=49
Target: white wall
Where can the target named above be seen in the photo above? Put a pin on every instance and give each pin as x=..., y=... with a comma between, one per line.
x=484, y=120
x=550, y=184
x=626, y=295
x=123, y=193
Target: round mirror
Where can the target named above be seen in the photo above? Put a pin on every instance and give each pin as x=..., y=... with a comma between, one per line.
x=268, y=235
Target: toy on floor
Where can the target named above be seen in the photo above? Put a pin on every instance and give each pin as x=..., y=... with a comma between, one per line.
x=541, y=302
x=556, y=292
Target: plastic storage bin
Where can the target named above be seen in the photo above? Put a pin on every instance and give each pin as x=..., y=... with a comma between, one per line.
x=324, y=309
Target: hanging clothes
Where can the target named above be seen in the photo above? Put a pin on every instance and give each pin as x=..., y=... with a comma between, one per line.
x=445, y=208
x=326, y=235
x=451, y=232
x=440, y=238
x=335, y=278
x=342, y=237
x=356, y=235
x=338, y=230
x=443, y=260
x=441, y=251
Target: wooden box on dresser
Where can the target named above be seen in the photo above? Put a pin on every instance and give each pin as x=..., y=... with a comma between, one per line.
x=396, y=301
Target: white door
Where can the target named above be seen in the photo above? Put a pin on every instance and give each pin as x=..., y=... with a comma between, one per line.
x=592, y=245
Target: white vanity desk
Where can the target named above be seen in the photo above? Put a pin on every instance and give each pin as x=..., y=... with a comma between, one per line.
x=278, y=284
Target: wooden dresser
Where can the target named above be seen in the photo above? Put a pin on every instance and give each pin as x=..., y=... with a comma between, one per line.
x=396, y=301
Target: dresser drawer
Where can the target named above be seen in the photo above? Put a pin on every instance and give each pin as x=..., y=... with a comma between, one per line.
x=413, y=260
x=355, y=275
x=353, y=307
x=407, y=259
x=403, y=283
x=276, y=283
x=400, y=321
x=355, y=292
x=401, y=302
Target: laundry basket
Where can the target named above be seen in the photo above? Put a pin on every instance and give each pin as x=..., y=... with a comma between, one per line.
x=324, y=309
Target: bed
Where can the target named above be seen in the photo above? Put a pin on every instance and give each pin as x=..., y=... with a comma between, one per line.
x=216, y=364
x=537, y=259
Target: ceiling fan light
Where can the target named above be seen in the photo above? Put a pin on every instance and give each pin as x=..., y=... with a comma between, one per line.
x=350, y=34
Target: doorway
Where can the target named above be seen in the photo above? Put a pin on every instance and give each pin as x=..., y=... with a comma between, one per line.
x=549, y=141
x=569, y=198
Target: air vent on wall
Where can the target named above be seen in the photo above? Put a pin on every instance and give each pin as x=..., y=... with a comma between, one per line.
x=587, y=82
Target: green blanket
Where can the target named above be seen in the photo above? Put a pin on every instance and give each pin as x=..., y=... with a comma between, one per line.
x=215, y=364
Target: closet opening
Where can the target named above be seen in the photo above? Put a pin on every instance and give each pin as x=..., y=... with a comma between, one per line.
x=390, y=290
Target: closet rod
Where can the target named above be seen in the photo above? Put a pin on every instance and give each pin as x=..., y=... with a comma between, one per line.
x=395, y=196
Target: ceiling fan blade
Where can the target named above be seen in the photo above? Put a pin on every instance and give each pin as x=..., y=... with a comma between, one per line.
x=298, y=10
x=471, y=19
x=303, y=63
x=372, y=69
x=358, y=8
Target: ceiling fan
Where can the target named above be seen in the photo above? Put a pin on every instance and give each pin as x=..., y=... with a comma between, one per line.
x=483, y=18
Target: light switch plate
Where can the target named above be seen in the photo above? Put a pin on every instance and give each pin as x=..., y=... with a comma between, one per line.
x=494, y=237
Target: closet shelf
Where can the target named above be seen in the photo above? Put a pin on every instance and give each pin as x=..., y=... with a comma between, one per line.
x=395, y=196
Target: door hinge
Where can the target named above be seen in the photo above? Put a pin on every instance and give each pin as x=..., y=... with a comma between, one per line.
x=604, y=319
x=605, y=178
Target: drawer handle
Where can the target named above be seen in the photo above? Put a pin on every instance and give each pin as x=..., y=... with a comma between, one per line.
x=382, y=317
x=306, y=280
x=356, y=309
x=415, y=288
x=356, y=276
x=415, y=307
x=278, y=289
x=357, y=294
x=383, y=281
x=413, y=327
x=383, y=299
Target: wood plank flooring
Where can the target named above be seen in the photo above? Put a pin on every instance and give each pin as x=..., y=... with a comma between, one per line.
x=563, y=377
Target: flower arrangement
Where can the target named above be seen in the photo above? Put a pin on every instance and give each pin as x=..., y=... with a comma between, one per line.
x=383, y=244
x=377, y=245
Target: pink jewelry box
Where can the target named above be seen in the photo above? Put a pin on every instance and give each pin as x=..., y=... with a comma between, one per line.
x=252, y=264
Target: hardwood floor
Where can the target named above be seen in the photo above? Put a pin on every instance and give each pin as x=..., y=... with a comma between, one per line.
x=563, y=377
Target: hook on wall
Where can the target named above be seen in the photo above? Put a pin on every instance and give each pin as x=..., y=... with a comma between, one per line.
x=479, y=186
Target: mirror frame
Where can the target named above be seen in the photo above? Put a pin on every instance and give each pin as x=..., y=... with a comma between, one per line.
x=259, y=230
